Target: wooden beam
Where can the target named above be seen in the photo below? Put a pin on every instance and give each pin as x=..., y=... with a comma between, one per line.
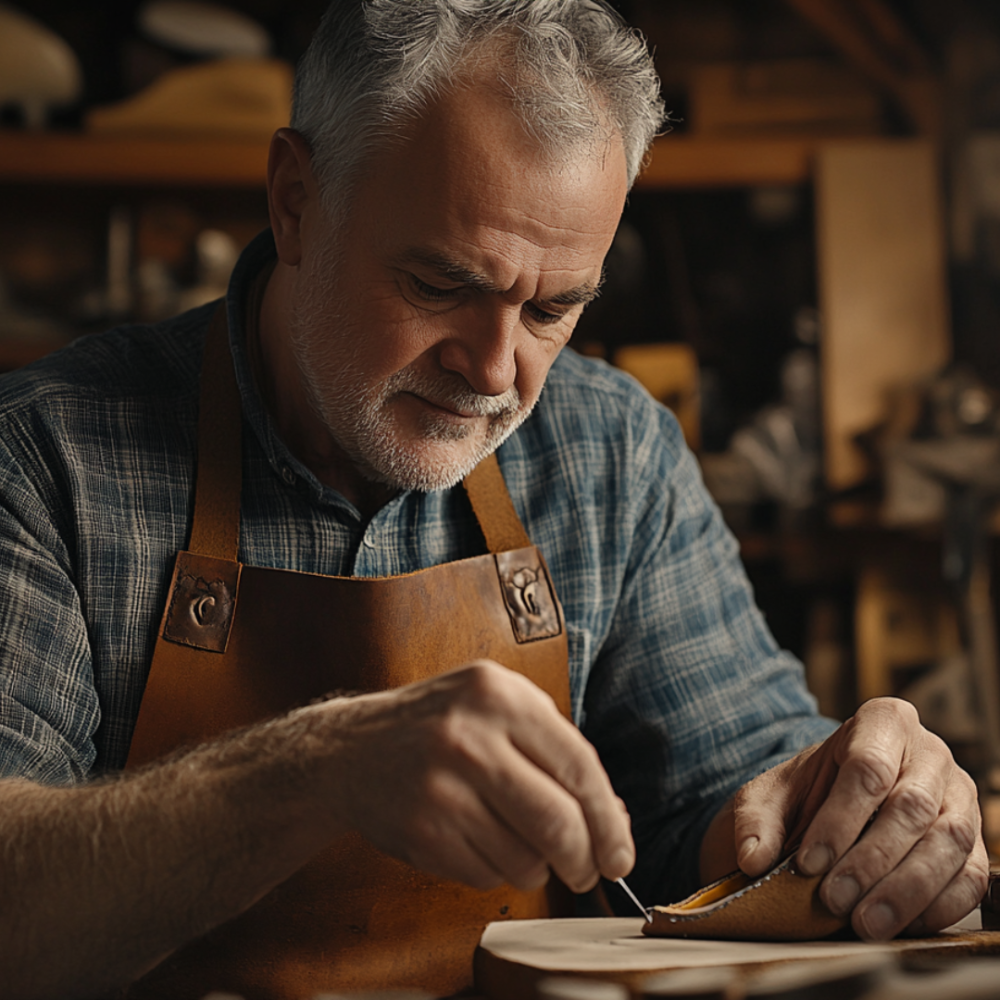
x=909, y=54
x=851, y=29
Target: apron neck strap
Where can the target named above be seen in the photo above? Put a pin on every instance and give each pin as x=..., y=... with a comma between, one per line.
x=493, y=507
x=215, y=530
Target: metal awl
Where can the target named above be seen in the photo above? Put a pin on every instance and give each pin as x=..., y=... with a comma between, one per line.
x=631, y=895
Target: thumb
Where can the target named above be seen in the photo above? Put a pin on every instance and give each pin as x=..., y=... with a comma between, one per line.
x=759, y=811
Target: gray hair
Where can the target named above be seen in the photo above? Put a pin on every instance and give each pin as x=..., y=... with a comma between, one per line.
x=575, y=72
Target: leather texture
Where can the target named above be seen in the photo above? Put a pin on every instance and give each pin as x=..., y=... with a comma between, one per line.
x=352, y=919
x=779, y=906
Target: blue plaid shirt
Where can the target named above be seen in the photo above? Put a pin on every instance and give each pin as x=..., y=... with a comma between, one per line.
x=674, y=675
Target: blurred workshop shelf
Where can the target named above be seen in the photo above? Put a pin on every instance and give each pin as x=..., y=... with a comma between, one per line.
x=67, y=158
x=699, y=162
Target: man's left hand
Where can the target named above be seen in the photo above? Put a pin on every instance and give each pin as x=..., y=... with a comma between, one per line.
x=920, y=866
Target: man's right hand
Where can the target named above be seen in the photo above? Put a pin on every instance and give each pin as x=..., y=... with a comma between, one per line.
x=475, y=776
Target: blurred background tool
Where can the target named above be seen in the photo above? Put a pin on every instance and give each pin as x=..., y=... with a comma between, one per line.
x=38, y=70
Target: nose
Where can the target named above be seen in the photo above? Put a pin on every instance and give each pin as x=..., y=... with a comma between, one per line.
x=482, y=349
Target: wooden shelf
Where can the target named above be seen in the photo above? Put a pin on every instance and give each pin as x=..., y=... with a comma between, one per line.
x=52, y=157
x=693, y=162
x=63, y=158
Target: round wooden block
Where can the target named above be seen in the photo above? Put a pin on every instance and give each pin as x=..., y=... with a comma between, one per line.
x=513, y=955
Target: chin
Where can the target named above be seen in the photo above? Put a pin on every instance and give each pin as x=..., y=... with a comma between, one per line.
x=427, y=467
x=431, y=458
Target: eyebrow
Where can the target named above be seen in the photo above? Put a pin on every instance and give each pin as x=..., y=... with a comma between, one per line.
x=453, y=270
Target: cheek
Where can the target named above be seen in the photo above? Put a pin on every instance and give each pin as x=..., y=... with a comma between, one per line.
x=532, y=369
x=394, y=340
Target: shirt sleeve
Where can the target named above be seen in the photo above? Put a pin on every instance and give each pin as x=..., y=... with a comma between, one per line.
x=689, y=696
x=48, y=703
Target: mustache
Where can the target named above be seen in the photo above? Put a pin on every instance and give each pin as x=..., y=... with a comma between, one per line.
x=454, y=392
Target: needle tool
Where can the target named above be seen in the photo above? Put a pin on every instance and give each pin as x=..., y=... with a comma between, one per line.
x=631, y=895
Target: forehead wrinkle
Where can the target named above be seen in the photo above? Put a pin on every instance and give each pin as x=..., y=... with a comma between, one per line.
x=454, y=270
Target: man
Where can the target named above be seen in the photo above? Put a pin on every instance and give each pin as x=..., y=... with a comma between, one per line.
x=440, y=213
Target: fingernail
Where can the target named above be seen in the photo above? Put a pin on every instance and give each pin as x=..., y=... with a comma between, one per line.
x=746, y=849
x=842, y=894
x=621, y=862
x=815, y=859
x=878, y=922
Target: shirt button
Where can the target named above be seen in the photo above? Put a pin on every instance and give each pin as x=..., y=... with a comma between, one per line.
x=288, y=475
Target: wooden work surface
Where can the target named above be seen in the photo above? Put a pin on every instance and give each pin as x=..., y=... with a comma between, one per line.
x=513, y=955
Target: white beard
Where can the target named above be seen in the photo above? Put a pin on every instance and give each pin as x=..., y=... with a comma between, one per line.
x=357, y=413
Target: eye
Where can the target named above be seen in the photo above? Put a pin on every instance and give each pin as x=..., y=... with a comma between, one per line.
x=431, y=292
x=540, y=315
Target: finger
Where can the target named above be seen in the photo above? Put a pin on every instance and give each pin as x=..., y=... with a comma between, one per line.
x=506, y=855
x=759, y=811
x=904, y=894
x=921, y=795
x=954, y=844
x=868, y=759
x=456, y=837
x=514, y=861
x=959, y=898
x=571, y=761
x=546, y=816
x=554, y=791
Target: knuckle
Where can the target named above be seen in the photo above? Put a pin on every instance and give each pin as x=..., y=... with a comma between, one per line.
x=578, y=769
x=961, y=897
x=960, y=777
x=938, y=745
x=450, y=738
x=424, y=840
x=553, y=826
x=480, y=679
x=975, y=880
x=872, y=771
x=902, y=709
x=881, y=857
x=437, y=798
x=495, y=689
x=960, y=831
x=917, y=806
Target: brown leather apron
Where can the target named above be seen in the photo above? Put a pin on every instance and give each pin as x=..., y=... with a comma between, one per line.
x=240, y=644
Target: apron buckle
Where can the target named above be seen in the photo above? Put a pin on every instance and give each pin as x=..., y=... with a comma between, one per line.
x=202, y=602
x=527, y=593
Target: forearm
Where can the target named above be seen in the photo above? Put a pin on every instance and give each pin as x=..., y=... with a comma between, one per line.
x=473, y=775
x=100, y=882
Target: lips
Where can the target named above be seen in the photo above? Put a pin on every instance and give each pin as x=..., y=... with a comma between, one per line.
x=450, y=394
x=445, y=407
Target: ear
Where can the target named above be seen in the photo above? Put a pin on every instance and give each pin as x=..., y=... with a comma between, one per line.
x=291, y=187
